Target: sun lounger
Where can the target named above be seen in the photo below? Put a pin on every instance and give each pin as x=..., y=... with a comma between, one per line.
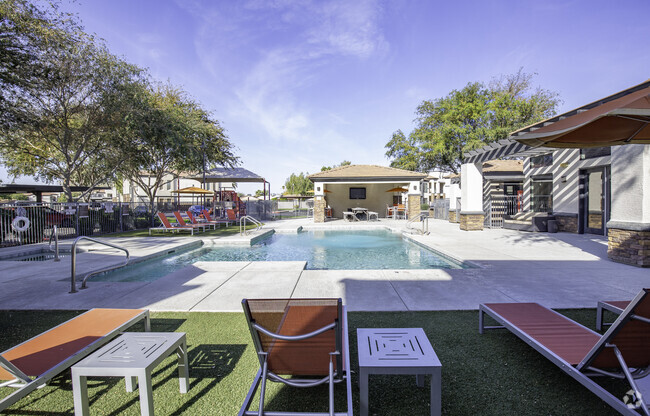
x=614, y=306
x=34, y=362
x=167, y=226
x=306, y=339
x=208, y=218
x=193, y=221
x=182, y=222
x=230, y=213
x=622, y=352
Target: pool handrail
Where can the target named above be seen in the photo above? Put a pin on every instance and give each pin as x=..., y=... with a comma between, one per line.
x=73, y=262
x=242, y=224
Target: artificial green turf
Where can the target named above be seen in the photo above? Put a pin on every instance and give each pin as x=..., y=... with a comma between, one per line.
x=490, y=374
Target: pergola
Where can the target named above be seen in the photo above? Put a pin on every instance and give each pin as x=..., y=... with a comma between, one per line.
x=232, y=175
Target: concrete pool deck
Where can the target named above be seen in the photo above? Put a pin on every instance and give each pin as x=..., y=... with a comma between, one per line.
x=558, y=270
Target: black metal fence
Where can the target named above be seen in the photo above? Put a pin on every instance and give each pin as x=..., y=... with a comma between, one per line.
x=439, y=209
x=500, y=206
x=33, y=222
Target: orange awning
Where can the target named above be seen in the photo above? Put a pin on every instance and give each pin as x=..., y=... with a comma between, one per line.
x=621, y=118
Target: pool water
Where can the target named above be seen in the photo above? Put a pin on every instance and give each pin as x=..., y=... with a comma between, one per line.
x=322, y=250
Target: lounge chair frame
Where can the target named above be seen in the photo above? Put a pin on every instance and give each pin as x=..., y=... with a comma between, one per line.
x=163, y=227
x=26, y=384
x=582, y=372
x=342, y=362
x=613, y=307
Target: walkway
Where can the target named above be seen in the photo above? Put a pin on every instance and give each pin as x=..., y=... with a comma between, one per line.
x=558, y=270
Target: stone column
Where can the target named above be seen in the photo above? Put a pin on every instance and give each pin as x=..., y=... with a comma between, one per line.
x=629, y=227
x=319, y=208
x=471, y=189
x=414, y=199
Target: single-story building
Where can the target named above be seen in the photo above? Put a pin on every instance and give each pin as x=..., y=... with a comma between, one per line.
x=365, y=186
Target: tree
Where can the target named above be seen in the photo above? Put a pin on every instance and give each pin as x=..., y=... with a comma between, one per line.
x=259, y=193
x=168, y=133
x=468, y=119
x=26, y=33
x=298, y=184
x=344, y=163
x=62, y=125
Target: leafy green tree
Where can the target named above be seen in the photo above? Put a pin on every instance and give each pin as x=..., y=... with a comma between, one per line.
x=62, y=125
x=298, y=184
x=344, y=163
x=259, y=193
x=468, y=119
x=168, y=133
x=27, y=32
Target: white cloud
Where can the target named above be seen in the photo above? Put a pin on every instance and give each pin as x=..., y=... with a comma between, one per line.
x=268, y=52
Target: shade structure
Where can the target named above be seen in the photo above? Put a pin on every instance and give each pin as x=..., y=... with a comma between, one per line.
x=397, y=190
x=621, y=118
x=193, y=190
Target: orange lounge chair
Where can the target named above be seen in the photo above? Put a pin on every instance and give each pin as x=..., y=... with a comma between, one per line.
x=622, y=352
x=33, y=363
x=305, y=339
x=193, y=221
x=167, y=226
x=208, y=218
x=231, y=215
x=182, y=222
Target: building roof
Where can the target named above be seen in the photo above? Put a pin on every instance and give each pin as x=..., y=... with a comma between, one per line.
x=229, y=175
x=366, y=172
x=501, y=166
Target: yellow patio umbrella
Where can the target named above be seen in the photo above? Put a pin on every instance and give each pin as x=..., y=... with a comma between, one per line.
x=193, y=190
x=311, y=191
x=397, y=190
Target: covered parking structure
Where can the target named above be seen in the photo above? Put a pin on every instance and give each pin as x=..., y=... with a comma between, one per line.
x=367, y=186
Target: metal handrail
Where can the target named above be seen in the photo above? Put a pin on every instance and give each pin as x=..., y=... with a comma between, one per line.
x=242, y=224
x=56, y=243
x=425, y=224
x=73, y=262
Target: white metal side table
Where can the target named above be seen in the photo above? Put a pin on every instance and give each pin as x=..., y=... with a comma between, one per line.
x=398, y=351
x=131, y=355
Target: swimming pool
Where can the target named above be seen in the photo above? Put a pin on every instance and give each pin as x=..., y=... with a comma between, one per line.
x=322, y=250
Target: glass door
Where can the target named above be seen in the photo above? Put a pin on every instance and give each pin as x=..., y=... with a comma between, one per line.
x=595, y=212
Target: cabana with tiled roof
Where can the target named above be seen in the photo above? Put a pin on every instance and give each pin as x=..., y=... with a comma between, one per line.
x=364, y=186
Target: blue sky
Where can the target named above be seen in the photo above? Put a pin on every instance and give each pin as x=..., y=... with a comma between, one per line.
x=302, y=84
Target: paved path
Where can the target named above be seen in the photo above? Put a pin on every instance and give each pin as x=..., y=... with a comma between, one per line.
x=558, y=270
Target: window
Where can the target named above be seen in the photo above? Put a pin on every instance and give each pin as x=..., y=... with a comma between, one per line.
x=541, y=161
x=169, y=185
x=595, y=152
x=357, y=193
x=541, y=195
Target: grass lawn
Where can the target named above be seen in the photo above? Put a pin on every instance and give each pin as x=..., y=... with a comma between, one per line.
x=490, y=374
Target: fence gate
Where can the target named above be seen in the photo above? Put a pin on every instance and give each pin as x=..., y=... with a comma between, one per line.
x=440, y=209
x=498, y=207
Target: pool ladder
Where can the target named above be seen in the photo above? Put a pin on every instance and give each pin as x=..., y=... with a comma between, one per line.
x=422, y=217
x=242, y=224
x=73, y=259
x=54, y=235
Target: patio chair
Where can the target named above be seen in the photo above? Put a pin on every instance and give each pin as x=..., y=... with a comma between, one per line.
x=35, y=362
x=193, y=221
x=622, y=352
x=182, y=223
x=306, y=339
x=219, y=221
x=373, y=214
x=167, y=226
x=232, y=216
x=350, y=216
x=614, y=306
x=390, y=211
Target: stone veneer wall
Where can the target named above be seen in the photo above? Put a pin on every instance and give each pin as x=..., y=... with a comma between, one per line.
x=452, y=215
x=567, y=223
x=414, y=206
x=471, y=222
x=319, y=209
x=629, y=247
